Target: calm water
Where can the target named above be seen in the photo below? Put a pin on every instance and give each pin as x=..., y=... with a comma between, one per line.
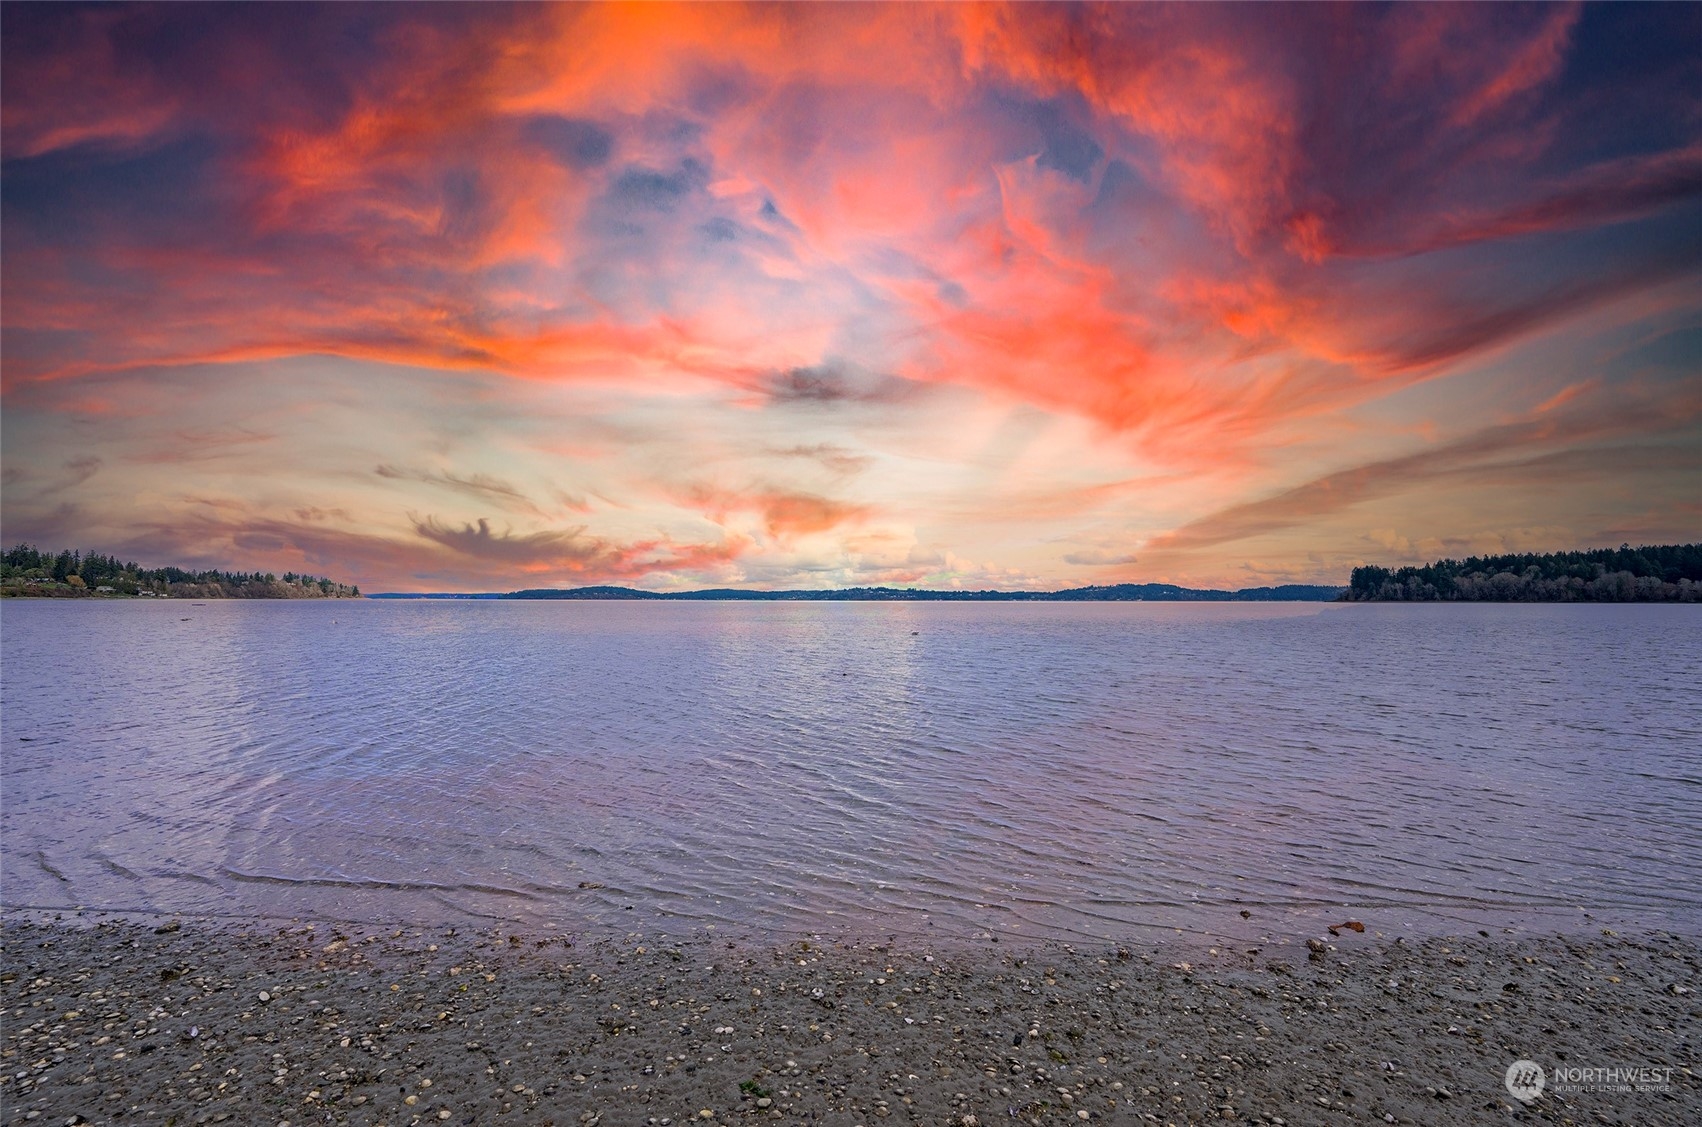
x=957, y=771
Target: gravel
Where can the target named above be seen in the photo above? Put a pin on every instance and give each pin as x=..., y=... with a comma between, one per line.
x=192, y=1023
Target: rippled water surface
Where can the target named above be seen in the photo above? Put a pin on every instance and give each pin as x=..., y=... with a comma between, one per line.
x=963, y=770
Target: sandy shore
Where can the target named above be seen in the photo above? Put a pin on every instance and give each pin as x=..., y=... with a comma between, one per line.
x=191, y=1023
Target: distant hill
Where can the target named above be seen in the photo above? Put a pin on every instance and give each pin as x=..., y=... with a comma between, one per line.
x=1652, y=573
x=1116, y=593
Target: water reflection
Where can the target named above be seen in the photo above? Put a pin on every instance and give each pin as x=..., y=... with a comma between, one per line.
x=964, y=769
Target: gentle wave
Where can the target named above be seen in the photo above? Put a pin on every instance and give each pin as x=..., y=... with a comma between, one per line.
x=1047, y=769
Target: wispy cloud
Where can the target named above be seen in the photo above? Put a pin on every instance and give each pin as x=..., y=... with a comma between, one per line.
x=1511, y=454
x=481, y=486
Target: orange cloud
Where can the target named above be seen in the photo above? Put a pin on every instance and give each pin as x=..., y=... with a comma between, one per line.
x=784, y=513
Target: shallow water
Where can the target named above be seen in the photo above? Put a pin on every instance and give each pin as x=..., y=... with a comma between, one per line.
x=956, y=770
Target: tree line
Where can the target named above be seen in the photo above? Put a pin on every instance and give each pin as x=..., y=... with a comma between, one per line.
x=26, y=570
x=1650, y=574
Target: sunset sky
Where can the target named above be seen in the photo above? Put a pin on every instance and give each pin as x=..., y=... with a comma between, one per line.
x=474, y=298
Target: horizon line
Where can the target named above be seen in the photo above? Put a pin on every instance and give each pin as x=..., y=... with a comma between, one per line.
x=591, y=590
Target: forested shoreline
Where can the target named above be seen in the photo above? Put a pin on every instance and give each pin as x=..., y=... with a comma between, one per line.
x=27, y=572
x=1670, y=573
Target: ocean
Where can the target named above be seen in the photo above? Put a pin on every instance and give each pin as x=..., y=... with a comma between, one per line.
x=977, y=771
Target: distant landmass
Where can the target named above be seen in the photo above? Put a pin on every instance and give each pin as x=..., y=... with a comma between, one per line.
x=1652, y=573
x=1670, y=573
x=27, y=572
x=1116, y=593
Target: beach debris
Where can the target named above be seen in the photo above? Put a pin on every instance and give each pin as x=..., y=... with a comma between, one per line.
x=1351, y=925
x=1681, y=991
x=591, y=884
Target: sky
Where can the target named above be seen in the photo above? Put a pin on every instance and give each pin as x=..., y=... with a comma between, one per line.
x=447, y=297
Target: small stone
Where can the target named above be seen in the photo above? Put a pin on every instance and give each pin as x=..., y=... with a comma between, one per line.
x=410, y=1100
x=426, y=1083
x=765, y=1102
x=706, y=1114
x=444, y=1114
x=265, y=996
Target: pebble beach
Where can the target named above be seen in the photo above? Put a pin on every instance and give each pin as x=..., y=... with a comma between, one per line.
x=184, y=1022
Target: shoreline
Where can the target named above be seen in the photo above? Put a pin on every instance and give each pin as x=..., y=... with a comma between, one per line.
x=197, y=1022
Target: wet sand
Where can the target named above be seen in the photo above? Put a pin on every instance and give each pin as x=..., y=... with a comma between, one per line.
x=189, y=1023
